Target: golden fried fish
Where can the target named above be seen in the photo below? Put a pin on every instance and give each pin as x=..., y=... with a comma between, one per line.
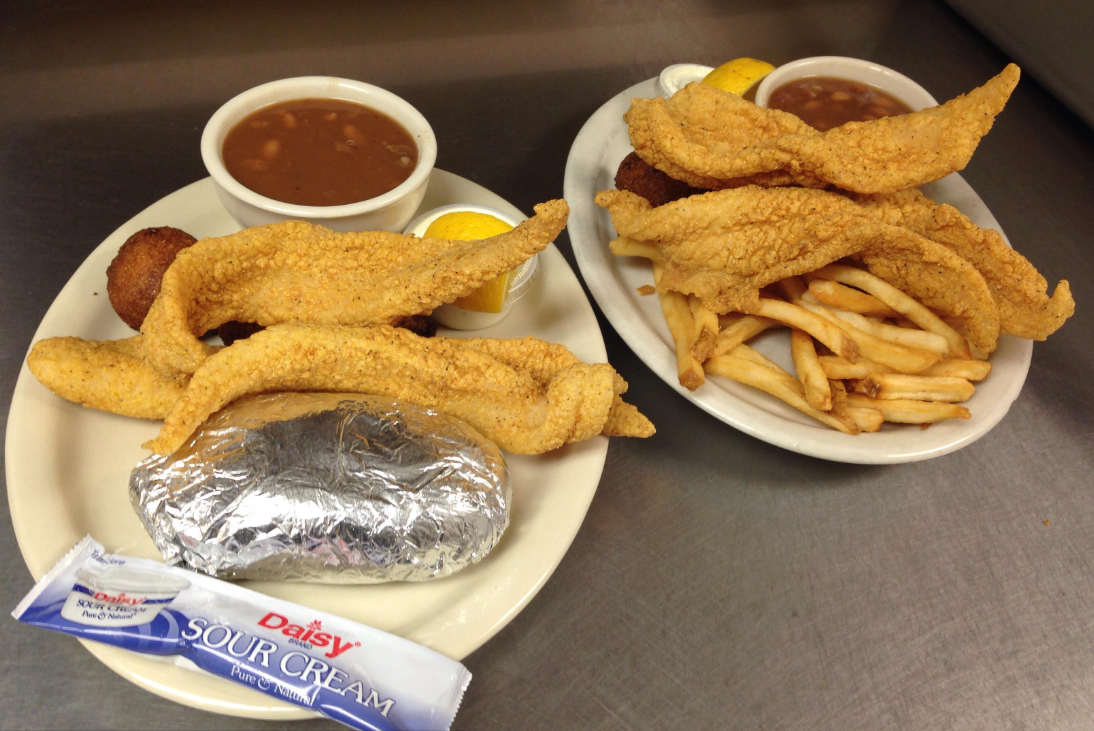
x=724, y=246
x=1020, y=292
x=296, y=272
x=712, y=139
x=110, y=375
x=527, y=395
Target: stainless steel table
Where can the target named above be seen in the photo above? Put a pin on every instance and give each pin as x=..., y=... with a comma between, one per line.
x=717, y=582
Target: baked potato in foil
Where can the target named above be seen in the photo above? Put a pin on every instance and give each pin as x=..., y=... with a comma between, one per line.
x=327, y=488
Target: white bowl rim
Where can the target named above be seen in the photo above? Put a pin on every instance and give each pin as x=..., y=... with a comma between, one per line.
x=211, y=143
x=800, y=69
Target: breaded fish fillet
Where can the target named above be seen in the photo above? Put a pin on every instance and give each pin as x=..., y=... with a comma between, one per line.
x=527, y=395
x=110, y=375
x=712, y=139
x=726, y=245
x=296, y=272
x=1020, y=292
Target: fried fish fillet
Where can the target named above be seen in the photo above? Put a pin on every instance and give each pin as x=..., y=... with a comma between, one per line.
x=114, y=376
x=712, y=139
x=527, y=395
x=1020, y=292
x=724, y=246
x=296, y=272
x=110, y=375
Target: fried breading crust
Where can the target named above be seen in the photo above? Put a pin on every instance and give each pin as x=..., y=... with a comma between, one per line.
x=724, y=246
x=232, y=331
x=113, y=376
x=109, y=375
x=1020, y=292
x=527, y=395
x=712, y=139
x=543, y=363
x=298, y=272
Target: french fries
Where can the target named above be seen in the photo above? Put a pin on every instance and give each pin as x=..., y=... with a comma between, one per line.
x=728, y=319
x=897, y=357
x=967, y=368
x=792, y=288
x=705, y=329
x=778, y=383
x=623, y=246
x=894, y=386
x=869, y=420
x=851, y=300
x=818, y=393
x=884, y=356
x=677, y=312
x=749, y=353
x=811, y=322
x=897, y=300
x=839, y=368
x=909, y=412
x=743, y=328
x=920, y=339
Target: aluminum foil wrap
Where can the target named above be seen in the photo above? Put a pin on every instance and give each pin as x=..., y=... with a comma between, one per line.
x=331, y=488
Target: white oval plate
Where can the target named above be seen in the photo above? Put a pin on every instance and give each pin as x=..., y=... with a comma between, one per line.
x=68, y=470
x=596, y=153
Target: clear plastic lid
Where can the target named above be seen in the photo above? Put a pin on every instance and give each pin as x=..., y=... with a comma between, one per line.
x=131, y=581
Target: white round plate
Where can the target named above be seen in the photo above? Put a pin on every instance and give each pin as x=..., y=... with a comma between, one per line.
x=68, y=471
x=596, y=153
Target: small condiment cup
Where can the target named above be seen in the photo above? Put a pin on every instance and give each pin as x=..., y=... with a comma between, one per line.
x=674, y=78
x=852, y=69
x=524, y=276
x=389, y=211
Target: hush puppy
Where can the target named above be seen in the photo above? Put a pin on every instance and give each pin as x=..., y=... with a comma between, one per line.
x=133, y=278
x=638, y=176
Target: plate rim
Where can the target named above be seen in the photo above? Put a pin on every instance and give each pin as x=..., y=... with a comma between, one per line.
x=583, y=162
x=127, y=664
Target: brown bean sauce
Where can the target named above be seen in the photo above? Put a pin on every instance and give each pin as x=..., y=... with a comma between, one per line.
x=319, y=152
x=824, y=102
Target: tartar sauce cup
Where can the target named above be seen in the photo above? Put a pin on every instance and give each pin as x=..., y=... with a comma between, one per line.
x=524, y=276
x=389, y=211
x=674, y=78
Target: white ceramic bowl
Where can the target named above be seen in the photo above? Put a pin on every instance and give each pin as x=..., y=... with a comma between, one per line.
x=897, y=84
x=523, y=277
x=389, y=211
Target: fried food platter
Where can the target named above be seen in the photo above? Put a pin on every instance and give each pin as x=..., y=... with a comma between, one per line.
x=594, y=157
x=61, y=455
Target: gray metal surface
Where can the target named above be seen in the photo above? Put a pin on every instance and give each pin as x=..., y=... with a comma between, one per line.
x=717, y=582
x=1051, y=39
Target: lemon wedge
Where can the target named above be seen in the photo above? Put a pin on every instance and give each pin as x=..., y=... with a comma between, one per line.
x=738, y=75
x=472, y=226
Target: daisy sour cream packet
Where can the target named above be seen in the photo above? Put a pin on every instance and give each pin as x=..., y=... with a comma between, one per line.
x=360, y=676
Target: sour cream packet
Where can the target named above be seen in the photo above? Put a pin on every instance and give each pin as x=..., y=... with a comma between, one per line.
x=357, y=675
